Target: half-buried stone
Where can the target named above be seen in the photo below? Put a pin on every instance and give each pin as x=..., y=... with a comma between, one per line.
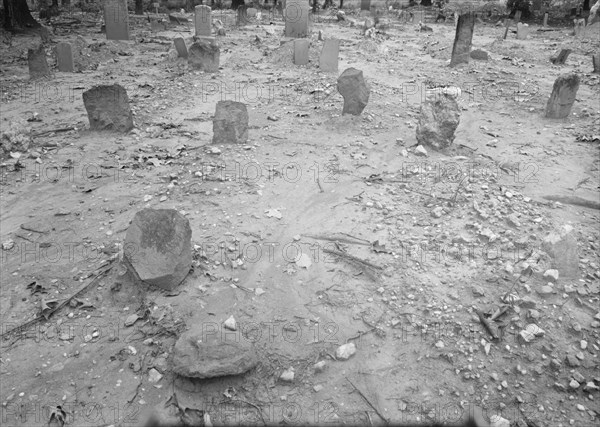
x=200, y=353
x=230, y=125
x=158, y=247
x=355, y=91
x=107, y=107
x=204, y=55
x=438, y=121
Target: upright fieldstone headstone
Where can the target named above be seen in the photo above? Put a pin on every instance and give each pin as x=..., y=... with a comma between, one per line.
x=438, y=121
x=38, y=65
x=545, y=21
x=230, y=124
x=108, y=108
x=116, y=20
x=296, y=18
x=355, y=91
x=522, y=31
x=204, y=55
x=64, y=57
x=328, y=61
x=563, y=96
x=596, y=63
x=561, y=58
x=463, y=39
x=181, y=48
x=301, y=47
x=203, y=20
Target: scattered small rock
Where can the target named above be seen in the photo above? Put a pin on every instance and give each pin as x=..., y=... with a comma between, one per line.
x=344, y=352
x=287, y=375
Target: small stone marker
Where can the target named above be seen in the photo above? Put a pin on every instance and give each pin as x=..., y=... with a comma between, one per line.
x=579, y=27
x=328, y=61
x=438, y=121
x=301, y=51
x=296, y=18
x=561, y=58
x=479, y=55
x=463, y=39
x=116, y=20
x=64, y=57
x=242, y=18
x=107, y=107
x=38, y=65
x=251, y=12
x=522, y=31
x=203, y=20
x=563, y=96
x=230, y=124
x=545, y=23
x=204, y=55
x=355, y=91
x=160, y=247
x=365, y=4
x=181, y=47
x=561, y=245
x=596, y=63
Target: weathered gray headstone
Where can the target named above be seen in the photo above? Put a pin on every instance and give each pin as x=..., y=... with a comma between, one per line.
x=296, y=18
x=116, y=20
x=418, y=16
x=579, y=27
x=230, y=124
x=561, y=58
x=365, y=4
x=545, y=22
x=204, y=55
x=38, y=65
x=158, y=246
x=108, y=108
x=242, y=17
x=328, y=61
x=463, y=39
x=561, y=245
x=181, y=48
x=438, y=121
x=204, y=352
x=251, y=12
x=355, y=91
x=64, y=57
x=563, y=96
x=203, y=20
x=596, y=63
x=301, y=47
x=522, y=31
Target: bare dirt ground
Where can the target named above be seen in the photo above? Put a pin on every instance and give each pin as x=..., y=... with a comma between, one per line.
x=445, y=244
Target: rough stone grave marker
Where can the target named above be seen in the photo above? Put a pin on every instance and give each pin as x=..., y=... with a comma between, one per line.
x=355, y=91
x=579, y=27
x=561, y=58
x=522, y=31
x=64, y=57
x=463, y=39
x=545, y=23
x=296, y=18
x=116, y=20
x=563, y=96
x=203, y=20
x=107, y=107
x=328, y=61
x=596, y=63
x=180, y=47
x=230, y=124
x=204, y=55
x=438, y=120
x=38, y=65
x=242, y=17
x=301, y=47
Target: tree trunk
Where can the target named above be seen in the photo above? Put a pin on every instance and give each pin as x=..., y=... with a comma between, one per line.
x=17, y=15
x=341, y=4
x=315, y=6
x=139, y=7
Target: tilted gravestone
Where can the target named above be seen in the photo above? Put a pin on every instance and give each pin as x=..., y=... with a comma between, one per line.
x=355, y=91
x=38, y=65
x=463, y=39
x=563, y=96
x=328, y=61
x=108, y=108
x=116, y=20
x=561, y=58
x=181, y=48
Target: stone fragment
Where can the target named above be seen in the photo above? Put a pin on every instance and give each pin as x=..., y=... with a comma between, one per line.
x=301, y=47
x=296, y=16
x=203, y=20
x=438, y=121
x=320, y=366
x=204, y=353
x=561, y=246
x=154, y=376
x=38, y=65
x=230, y=323
x=355, y=91
x=158, y=247
x=204, y=55
x=551, y=275
x=116, y=19
x=181, y=48
x=420, y=151
x=108, y=108
x=563, y=96
x=463, y=39
x=479, y=55
x=328, y=61
x=287, y=375
x=230, y=124
x=64, y=57
x=345, y=352
x=561, y=57
x=572, y=361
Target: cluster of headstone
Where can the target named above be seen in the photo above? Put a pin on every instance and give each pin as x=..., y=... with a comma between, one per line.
x=328, y=59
